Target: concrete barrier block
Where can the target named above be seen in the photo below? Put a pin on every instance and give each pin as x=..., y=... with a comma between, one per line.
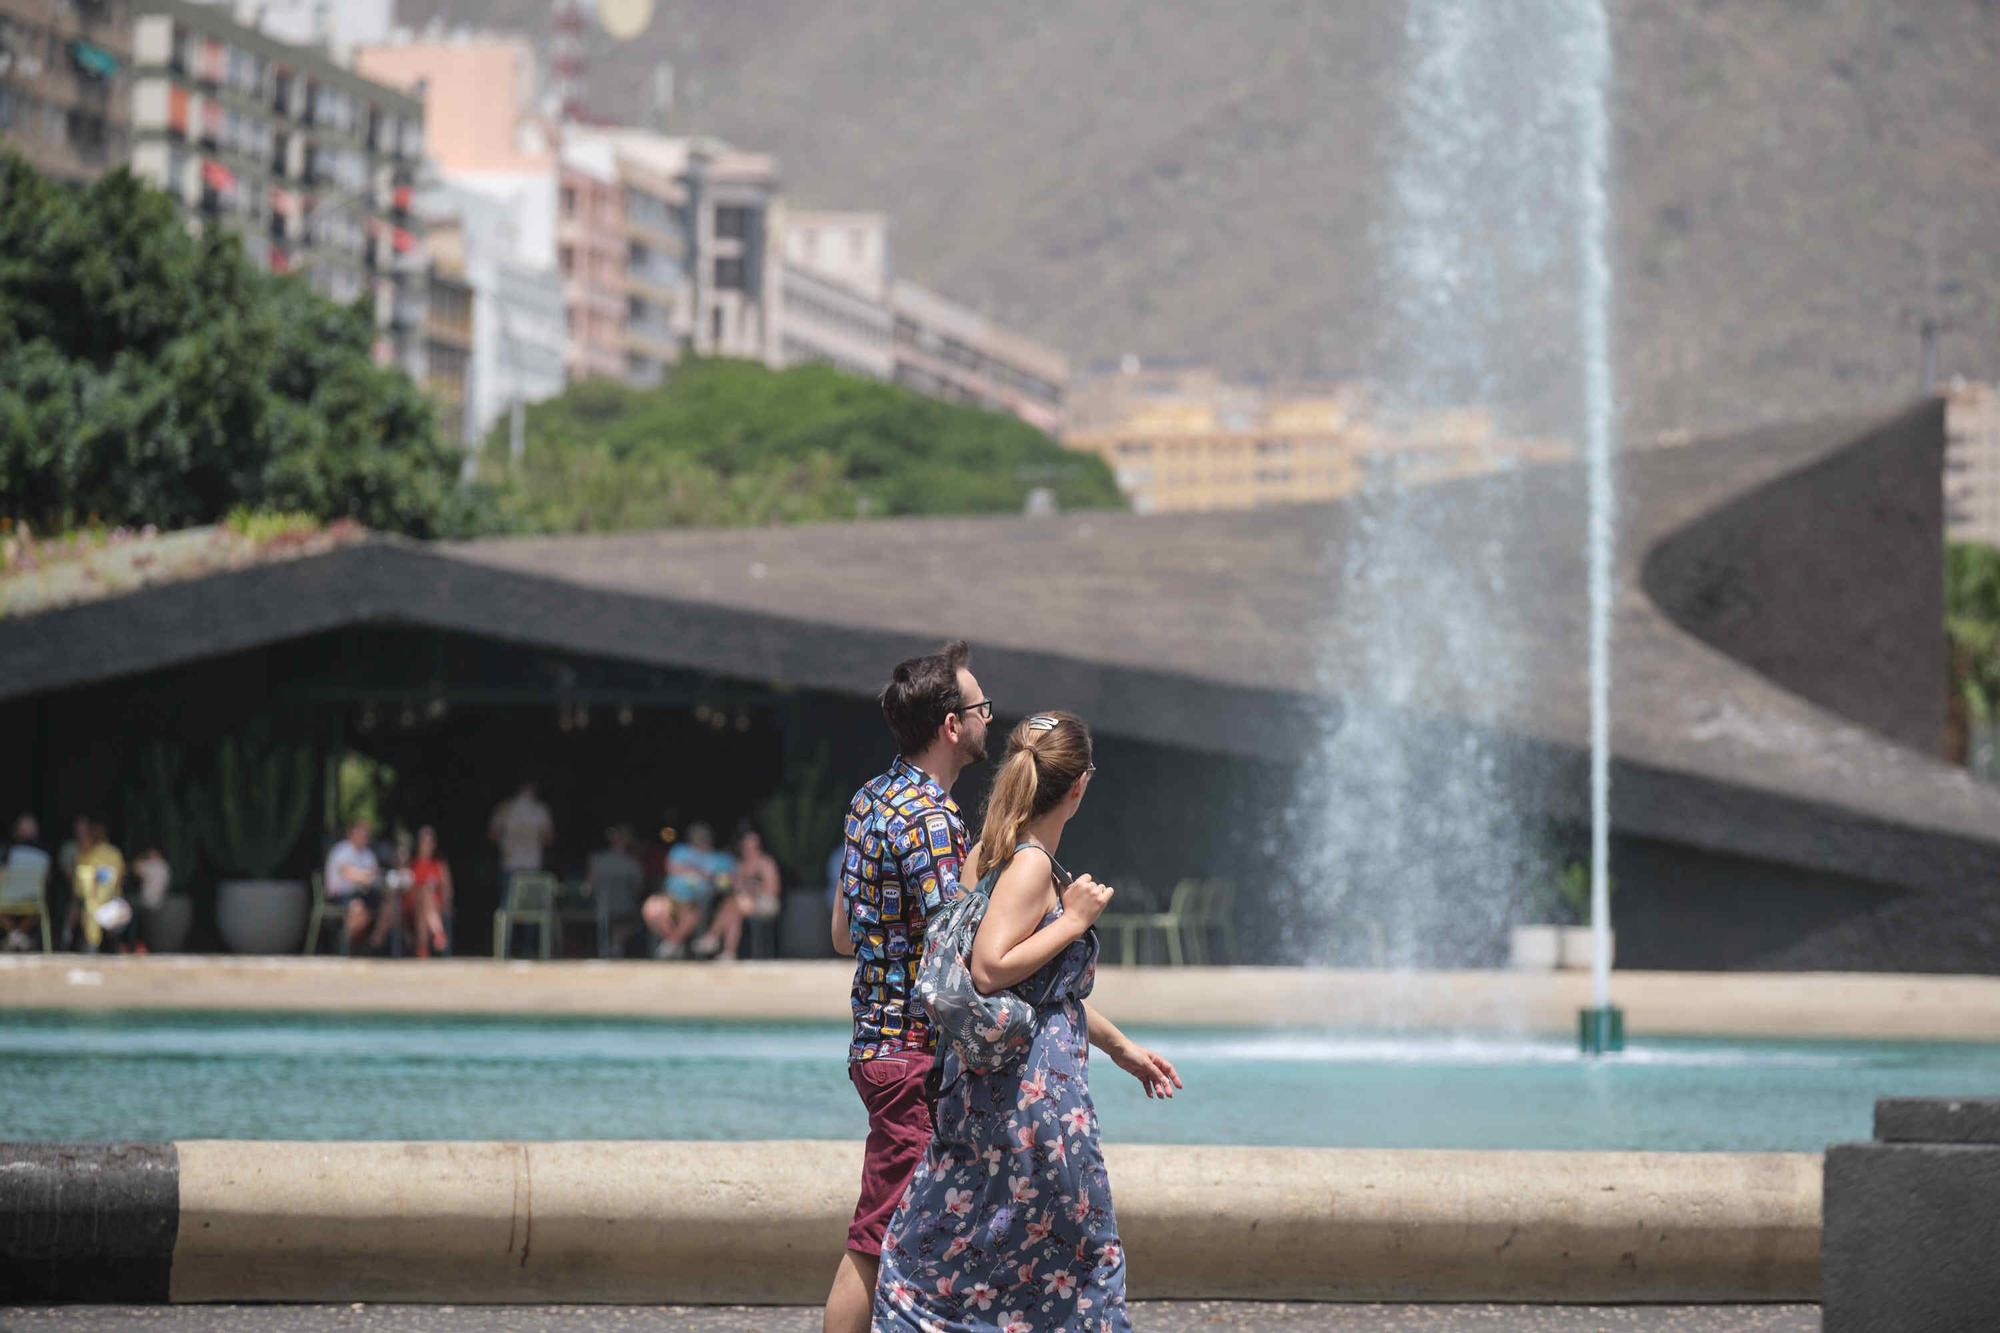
x=1912, y=1238
x=1937, y=1120
x=87, y=1222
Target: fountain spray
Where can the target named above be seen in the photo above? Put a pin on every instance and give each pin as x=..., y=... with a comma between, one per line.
x=1601, y=1027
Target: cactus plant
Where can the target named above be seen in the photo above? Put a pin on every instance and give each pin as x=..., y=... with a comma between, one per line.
x=257, y=807
x=801, y=820
x=161, y=809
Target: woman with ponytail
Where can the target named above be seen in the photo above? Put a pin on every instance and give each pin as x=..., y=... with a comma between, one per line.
x=1008, y=1224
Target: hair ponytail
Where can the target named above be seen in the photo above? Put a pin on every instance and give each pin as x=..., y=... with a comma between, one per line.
x=1046, y=754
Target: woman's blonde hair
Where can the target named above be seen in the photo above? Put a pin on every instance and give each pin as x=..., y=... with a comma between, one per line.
x=1046, y=754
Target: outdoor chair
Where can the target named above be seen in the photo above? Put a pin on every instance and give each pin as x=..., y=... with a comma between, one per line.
x=1172, y=925
x=530, y=901
x=1129, y=909
x=323, y=911
x=24, y=892
x=1213, y=919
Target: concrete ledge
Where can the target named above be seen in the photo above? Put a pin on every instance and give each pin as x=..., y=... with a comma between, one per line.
x=1723, y=1004
x=763, y=1223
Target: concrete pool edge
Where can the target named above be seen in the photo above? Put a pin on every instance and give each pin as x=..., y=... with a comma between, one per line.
x=763, y=1223
x=1864, y=1006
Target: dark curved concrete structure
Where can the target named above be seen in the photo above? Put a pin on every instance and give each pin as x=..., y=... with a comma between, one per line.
x=1778, y=798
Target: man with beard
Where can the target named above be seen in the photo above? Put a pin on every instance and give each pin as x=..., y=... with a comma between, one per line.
x=905, y=843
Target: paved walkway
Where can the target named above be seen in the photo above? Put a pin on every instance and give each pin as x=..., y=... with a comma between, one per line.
x=1152, y=1317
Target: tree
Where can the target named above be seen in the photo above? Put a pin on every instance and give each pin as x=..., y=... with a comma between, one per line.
x=733, y=443
x=152, y=375
x=1972, y=628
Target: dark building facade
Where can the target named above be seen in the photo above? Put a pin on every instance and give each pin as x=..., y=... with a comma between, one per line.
x=1778, y=799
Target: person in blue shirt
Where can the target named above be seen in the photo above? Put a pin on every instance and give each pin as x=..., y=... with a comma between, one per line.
x=696, y=872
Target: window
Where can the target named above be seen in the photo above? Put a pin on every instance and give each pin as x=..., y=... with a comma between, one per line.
x=729, y=274
x=732, y=224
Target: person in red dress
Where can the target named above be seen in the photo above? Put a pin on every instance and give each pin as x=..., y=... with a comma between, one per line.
x=429, y=896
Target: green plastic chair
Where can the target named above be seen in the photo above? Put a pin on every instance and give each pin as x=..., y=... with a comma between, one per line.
x=323, y=911
x=530, y=901
x=1172, y=923
x=24, y=892
x=1213, y=918
x=1128, y=910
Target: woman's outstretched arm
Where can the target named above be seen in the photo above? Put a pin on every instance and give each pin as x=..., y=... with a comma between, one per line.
x=1154, y=1071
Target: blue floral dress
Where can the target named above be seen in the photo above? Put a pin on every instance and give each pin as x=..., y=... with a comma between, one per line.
x=1007, y=1226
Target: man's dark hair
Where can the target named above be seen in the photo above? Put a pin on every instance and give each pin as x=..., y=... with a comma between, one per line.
x=921, y=693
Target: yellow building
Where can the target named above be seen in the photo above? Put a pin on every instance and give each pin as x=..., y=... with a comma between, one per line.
x=1182, y=439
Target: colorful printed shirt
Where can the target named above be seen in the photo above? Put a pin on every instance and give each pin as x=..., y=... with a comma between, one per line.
x=905, y=843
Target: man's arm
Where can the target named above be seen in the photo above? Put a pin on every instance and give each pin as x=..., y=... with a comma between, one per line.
x=843, y=935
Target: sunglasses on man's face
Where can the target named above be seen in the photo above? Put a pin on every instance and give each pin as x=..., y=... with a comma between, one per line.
x=984, y=708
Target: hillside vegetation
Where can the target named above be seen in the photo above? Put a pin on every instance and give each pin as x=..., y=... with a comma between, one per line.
x=725, y=443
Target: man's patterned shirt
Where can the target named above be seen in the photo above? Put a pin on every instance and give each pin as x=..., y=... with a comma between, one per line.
x=905, y=844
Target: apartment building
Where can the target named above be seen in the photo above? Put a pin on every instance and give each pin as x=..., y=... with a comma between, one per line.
x=448, y=324
x=497, y=165
x=844, y=305
x=1179, y=437
x=313, y=164
x=834, y=280
x=732, y=269
x=65, y=84
x=664, y=246
x=658, y=299
x=590, y=256
x=1972, y=461
x=949, y=351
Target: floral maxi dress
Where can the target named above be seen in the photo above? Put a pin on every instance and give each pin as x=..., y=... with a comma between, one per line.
x=1007, y=1226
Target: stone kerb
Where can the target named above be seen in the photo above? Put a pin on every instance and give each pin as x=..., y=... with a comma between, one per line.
x=1912, y=1220
x=762, y=1223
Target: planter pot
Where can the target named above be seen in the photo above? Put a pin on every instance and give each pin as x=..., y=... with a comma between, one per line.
x=805, y=925
x=1534, y=948
x=261, y=915
x=165, y=928
x=1576, y=947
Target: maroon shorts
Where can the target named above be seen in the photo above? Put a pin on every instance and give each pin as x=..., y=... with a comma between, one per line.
x=899, y=1129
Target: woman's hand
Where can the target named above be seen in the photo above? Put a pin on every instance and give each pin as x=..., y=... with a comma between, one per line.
x=1155, y=1073
x=1085, y=899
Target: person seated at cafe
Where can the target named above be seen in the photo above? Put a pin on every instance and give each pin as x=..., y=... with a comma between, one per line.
x=98, y=881
x=614, y=879
x=354, y=877
x=24, y=856
x=753, y=896
x=696, y=873
x=427, y=901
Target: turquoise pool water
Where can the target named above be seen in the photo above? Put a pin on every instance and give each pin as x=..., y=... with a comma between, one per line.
x=94, y=1076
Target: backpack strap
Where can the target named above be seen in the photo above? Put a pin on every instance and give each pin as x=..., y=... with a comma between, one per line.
x=1063, y=877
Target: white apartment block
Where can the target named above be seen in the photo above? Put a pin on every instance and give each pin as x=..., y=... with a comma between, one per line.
x=1972, y=462
x=314, y=165
x=946, y=350
x=664, y=246
x=844, y=305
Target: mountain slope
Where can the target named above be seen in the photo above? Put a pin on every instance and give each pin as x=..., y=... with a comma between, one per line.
x=1186, y=178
